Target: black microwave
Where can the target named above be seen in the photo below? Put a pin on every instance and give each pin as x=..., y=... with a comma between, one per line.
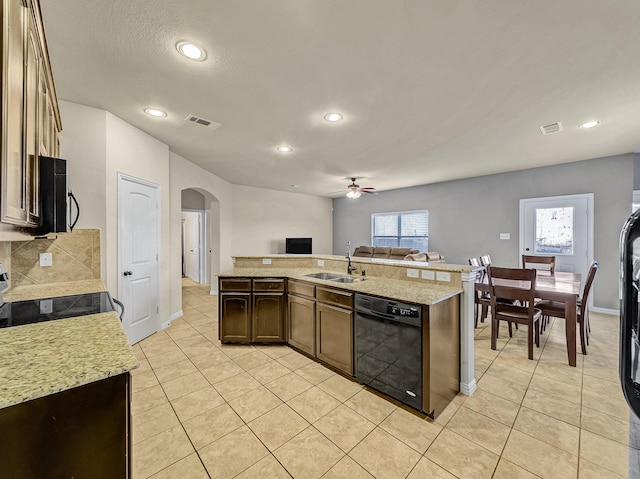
x=54, y=196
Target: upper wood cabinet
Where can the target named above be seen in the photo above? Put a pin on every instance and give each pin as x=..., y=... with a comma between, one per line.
x=30, y=117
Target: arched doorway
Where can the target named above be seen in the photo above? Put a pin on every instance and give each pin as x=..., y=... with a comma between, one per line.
x=200, y=219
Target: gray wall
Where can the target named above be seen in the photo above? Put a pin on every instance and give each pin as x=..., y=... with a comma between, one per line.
x=467, y=216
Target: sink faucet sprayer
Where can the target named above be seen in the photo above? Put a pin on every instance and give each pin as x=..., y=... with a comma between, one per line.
x=350, y=267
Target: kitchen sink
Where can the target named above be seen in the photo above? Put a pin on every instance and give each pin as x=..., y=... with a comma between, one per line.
x=327, y=276
x=332, y=277
x=344, y=279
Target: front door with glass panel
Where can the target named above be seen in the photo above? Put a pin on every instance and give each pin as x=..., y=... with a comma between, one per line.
x=559, y=226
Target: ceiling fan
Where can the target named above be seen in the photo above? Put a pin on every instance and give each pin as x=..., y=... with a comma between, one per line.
x=354, y=191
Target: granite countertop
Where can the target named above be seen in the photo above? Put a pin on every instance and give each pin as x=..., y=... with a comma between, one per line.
x=45, y=358
x=410, y=291
x=459, y=268
x=28, y=292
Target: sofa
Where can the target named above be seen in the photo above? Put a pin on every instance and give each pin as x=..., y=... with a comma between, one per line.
x=406, y=254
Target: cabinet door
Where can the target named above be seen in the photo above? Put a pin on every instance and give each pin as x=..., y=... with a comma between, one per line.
x=334, y=336
x=13, y=166
x=301, y=323
x=44, y=118
x=235, y=317
x=31, y=147
x=268, y=317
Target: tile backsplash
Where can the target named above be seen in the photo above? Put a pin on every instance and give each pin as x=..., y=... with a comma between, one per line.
x=76, y=256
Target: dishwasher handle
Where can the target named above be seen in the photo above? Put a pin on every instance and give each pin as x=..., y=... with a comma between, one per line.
x=381, y=317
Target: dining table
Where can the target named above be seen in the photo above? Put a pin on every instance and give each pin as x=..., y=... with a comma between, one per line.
x=563, y=287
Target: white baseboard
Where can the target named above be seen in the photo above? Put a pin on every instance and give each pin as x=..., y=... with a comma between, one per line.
x=213, y=292
x=468, y=388
x=615, y=312
x=176, y=315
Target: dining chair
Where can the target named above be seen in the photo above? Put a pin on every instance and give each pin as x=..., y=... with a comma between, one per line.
x=518, y=286
x=485, y=260
x=549, y=261
x=556, y=308
x=481, y=298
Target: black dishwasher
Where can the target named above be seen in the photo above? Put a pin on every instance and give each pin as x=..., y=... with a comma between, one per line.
x=389, y=348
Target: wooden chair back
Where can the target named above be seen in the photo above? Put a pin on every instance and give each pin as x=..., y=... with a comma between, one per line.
x=539, y=260
x=587, y=285
x=517, y=285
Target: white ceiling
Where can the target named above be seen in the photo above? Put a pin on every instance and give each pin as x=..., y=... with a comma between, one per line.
x=430, y=90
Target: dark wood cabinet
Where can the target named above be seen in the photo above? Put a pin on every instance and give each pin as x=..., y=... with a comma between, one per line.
x=301, y=323
x=268, y=317
x=334, y=328
x=251, y=310
x=80, y=432
x=235, y=317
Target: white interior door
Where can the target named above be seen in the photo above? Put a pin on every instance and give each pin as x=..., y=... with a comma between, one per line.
x=560, y=226
x=138, y=233
x=191, y=238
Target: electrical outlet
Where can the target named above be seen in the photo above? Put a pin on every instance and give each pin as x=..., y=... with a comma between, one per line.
x=443, y=276
x=46, y=259
x=428, y=274
x=320, y=262
x=412, y=273
x=46, y=306
x=266, y=260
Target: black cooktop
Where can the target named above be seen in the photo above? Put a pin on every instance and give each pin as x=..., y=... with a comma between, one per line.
x=49, y=309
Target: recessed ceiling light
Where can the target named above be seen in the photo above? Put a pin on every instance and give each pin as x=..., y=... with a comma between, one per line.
x=155, y=112
x=589, y=124
x=191, y=51
x=296, y=186
x=284, y=149
x=333, y=117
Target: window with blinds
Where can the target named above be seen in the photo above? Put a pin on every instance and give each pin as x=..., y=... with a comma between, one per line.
x=406, y=229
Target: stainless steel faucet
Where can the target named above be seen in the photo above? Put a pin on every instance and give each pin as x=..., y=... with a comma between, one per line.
x=350, y=267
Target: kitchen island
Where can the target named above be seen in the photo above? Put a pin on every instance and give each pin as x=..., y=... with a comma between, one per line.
x=65, y=391
x=265, y=302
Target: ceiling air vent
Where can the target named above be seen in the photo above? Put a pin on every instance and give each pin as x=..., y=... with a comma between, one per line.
x=202, y=121
x=551, y=128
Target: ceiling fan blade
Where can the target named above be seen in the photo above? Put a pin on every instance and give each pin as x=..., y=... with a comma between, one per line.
x=370, y=191
x=339, y=192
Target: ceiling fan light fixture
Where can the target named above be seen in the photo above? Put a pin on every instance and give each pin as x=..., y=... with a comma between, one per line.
x=353, y=194
x=155, y=112
x=589, y=124
x=333, y=117
x=191, y=51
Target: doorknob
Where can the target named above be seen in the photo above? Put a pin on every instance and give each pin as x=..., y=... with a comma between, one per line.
x=128, y=273
x=526, y=249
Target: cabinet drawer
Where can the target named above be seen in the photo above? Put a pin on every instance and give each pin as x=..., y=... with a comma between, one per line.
x=335, y=296
x=233, y=284
x=268, y=284
x=303, y=289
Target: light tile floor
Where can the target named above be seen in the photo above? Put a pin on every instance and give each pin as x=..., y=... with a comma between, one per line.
x=206, y=410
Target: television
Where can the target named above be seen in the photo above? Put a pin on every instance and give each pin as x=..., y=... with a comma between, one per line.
x=298, y=246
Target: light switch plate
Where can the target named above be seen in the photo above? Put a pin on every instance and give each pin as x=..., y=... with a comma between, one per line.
x=266, y=260
x=505, y=236
x=46, y=259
